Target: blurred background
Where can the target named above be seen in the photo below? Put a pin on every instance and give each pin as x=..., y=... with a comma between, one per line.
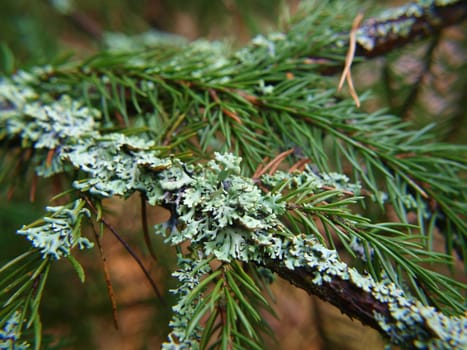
x=423, y=83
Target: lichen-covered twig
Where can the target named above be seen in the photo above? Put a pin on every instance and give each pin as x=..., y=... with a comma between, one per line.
x=405, y=322
x=227, y=216
x=284, y=221
x=399, y=26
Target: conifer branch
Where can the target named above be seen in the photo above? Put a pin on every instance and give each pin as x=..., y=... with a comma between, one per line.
x=150, y=121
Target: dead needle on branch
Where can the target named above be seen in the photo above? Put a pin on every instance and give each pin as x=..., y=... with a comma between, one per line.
x=346, y=73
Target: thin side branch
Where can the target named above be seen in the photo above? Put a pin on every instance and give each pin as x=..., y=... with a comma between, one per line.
x=417, y=86
x=108, y=281
x=128, y=249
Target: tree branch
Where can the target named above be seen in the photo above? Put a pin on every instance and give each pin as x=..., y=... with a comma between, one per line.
x=398, y=27
x=338, y=292
x=383, y=314
x=406, y=24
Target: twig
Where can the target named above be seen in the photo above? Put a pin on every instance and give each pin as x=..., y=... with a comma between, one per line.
x=108, y=282
x=128, y=249
x=224, y=110
x=377, y=36
x=299, y=165
x=273, y=164
x=32, y=192
x=50, y=156
x=412, y=96
x=259, y=169
x=340, y=293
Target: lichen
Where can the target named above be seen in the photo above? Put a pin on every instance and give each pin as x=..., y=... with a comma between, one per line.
x=220, y=209
x=189, y=276
x=226, y=216
x=10, y=335
x=220, y=212
x=312, y=180
x=13, y=98
x=55, y=235
x=116, y=165
x=44, y=126
x=48, y=126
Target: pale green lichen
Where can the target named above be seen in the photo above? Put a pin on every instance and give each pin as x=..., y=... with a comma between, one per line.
x=221, y=210
x=65, y=7
x=50, y=125
x=312, y=180
x=116, y=165
x=119, y=42
x=189, y=276
x=55, y=235
x=10, y=335
x=13, y=98
x=409, y=324
x=212, y=211
x=224, y=215
x=46, y=127
x=422, y=326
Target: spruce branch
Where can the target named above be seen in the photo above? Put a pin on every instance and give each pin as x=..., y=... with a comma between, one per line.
x=239, y=218
x=150, y=121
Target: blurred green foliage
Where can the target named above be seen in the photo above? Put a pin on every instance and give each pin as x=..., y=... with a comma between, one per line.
x=36, y=32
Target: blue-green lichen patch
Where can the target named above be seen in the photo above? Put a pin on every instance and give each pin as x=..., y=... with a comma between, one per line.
x=46, y=127
x=423, y=327
x=222, y=210
x=117, y=165
x=40, y=120
x=50, y=125
x=407, y=321
x=13, y=98
x=313, y=180
x=16, y=92
x=189, y=275
x=10, y=335
x=56, y=234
